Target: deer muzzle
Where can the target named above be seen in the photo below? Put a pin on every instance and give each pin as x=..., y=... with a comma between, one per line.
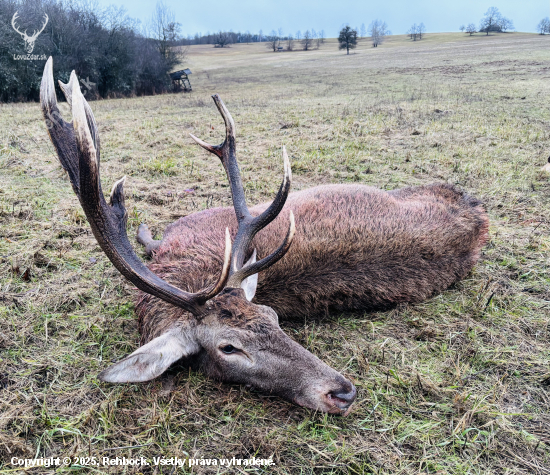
x=313, y=384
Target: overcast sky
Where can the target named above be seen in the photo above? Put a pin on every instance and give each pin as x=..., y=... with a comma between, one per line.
x=329, y=15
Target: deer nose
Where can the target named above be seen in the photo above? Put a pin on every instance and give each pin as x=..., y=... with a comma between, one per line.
x=343, y=397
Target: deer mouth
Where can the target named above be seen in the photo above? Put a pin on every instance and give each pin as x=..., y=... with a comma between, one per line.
x=340, y=402
x=334, y=402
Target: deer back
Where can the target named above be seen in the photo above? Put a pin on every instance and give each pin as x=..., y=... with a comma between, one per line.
x=355, y=248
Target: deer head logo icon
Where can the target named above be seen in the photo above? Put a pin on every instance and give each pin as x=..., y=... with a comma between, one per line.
x=29, y=40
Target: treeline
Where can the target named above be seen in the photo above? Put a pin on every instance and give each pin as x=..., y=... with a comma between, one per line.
x=226, y=38
x=110, y=52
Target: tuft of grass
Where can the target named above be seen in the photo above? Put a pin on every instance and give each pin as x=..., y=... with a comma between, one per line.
x=160, y=166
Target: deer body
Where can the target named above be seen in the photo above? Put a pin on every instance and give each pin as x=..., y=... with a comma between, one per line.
x=356, y=248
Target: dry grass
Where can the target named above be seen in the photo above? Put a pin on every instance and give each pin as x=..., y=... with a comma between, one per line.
x=458, y=385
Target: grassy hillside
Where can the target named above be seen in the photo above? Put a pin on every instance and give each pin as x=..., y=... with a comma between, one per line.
x=457, y=385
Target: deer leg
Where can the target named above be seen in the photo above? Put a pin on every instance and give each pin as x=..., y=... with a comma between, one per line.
x=145, y=238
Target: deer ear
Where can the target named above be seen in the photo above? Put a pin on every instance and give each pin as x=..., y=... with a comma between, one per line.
x=152, y=359
x=250, y=284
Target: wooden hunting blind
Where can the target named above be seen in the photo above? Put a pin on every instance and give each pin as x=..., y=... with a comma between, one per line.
x=180, y=80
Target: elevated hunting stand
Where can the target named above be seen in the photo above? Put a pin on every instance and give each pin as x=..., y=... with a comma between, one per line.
x=180, y=80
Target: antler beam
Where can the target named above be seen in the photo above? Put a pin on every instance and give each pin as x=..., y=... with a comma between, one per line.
x=248, y=226
x=78, y=149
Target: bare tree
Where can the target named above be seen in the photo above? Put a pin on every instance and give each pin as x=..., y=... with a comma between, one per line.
x=544, y=26
x=413, y=32
x=318, y=40
x=347, y=38
x=290, y=43
x=273, y=41
x=490, y=20
x=307, y=41
x=494, y=21
x=506, y=24
x=378, y=30
x=462, y=28
x=298, y=35
x=363, y=31
x=222, y=39
x=322, y=36
x=471, y=29
x=421, y=29
x=166, y=31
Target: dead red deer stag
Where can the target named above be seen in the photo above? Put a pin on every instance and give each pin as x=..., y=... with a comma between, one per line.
x=355, y=248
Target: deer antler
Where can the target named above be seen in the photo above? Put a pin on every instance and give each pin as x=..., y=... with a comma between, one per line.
x=36, y=33
x=249, y=226
x=77, y=147
x=15, y=16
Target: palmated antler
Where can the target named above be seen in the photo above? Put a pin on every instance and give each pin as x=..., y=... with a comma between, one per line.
x=77, y=147
x=249, y=226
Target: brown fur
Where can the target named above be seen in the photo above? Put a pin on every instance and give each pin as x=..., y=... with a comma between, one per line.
x=355, y=248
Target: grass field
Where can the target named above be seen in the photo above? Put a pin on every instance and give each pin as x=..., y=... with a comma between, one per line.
x=457, y=385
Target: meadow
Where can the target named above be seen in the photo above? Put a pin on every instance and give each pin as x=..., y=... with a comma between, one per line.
x=459, y=384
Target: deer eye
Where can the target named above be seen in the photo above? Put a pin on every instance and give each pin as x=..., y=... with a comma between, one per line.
x=228, y=349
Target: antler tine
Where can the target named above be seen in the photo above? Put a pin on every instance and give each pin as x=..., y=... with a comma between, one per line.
x=67, y=90
x=80, y=158
x=60, y=131
x=236, y=279
x=35, y=33
x=277, y=204
x=226, y=151
x=44, y=25
x=215, y=149
x=216, y=288
x=249, y=226
x=15, y=16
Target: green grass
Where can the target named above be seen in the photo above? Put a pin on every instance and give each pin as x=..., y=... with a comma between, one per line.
x=456, y=385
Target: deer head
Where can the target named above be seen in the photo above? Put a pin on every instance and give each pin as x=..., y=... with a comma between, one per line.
x=29, y=40
x=230, y=338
